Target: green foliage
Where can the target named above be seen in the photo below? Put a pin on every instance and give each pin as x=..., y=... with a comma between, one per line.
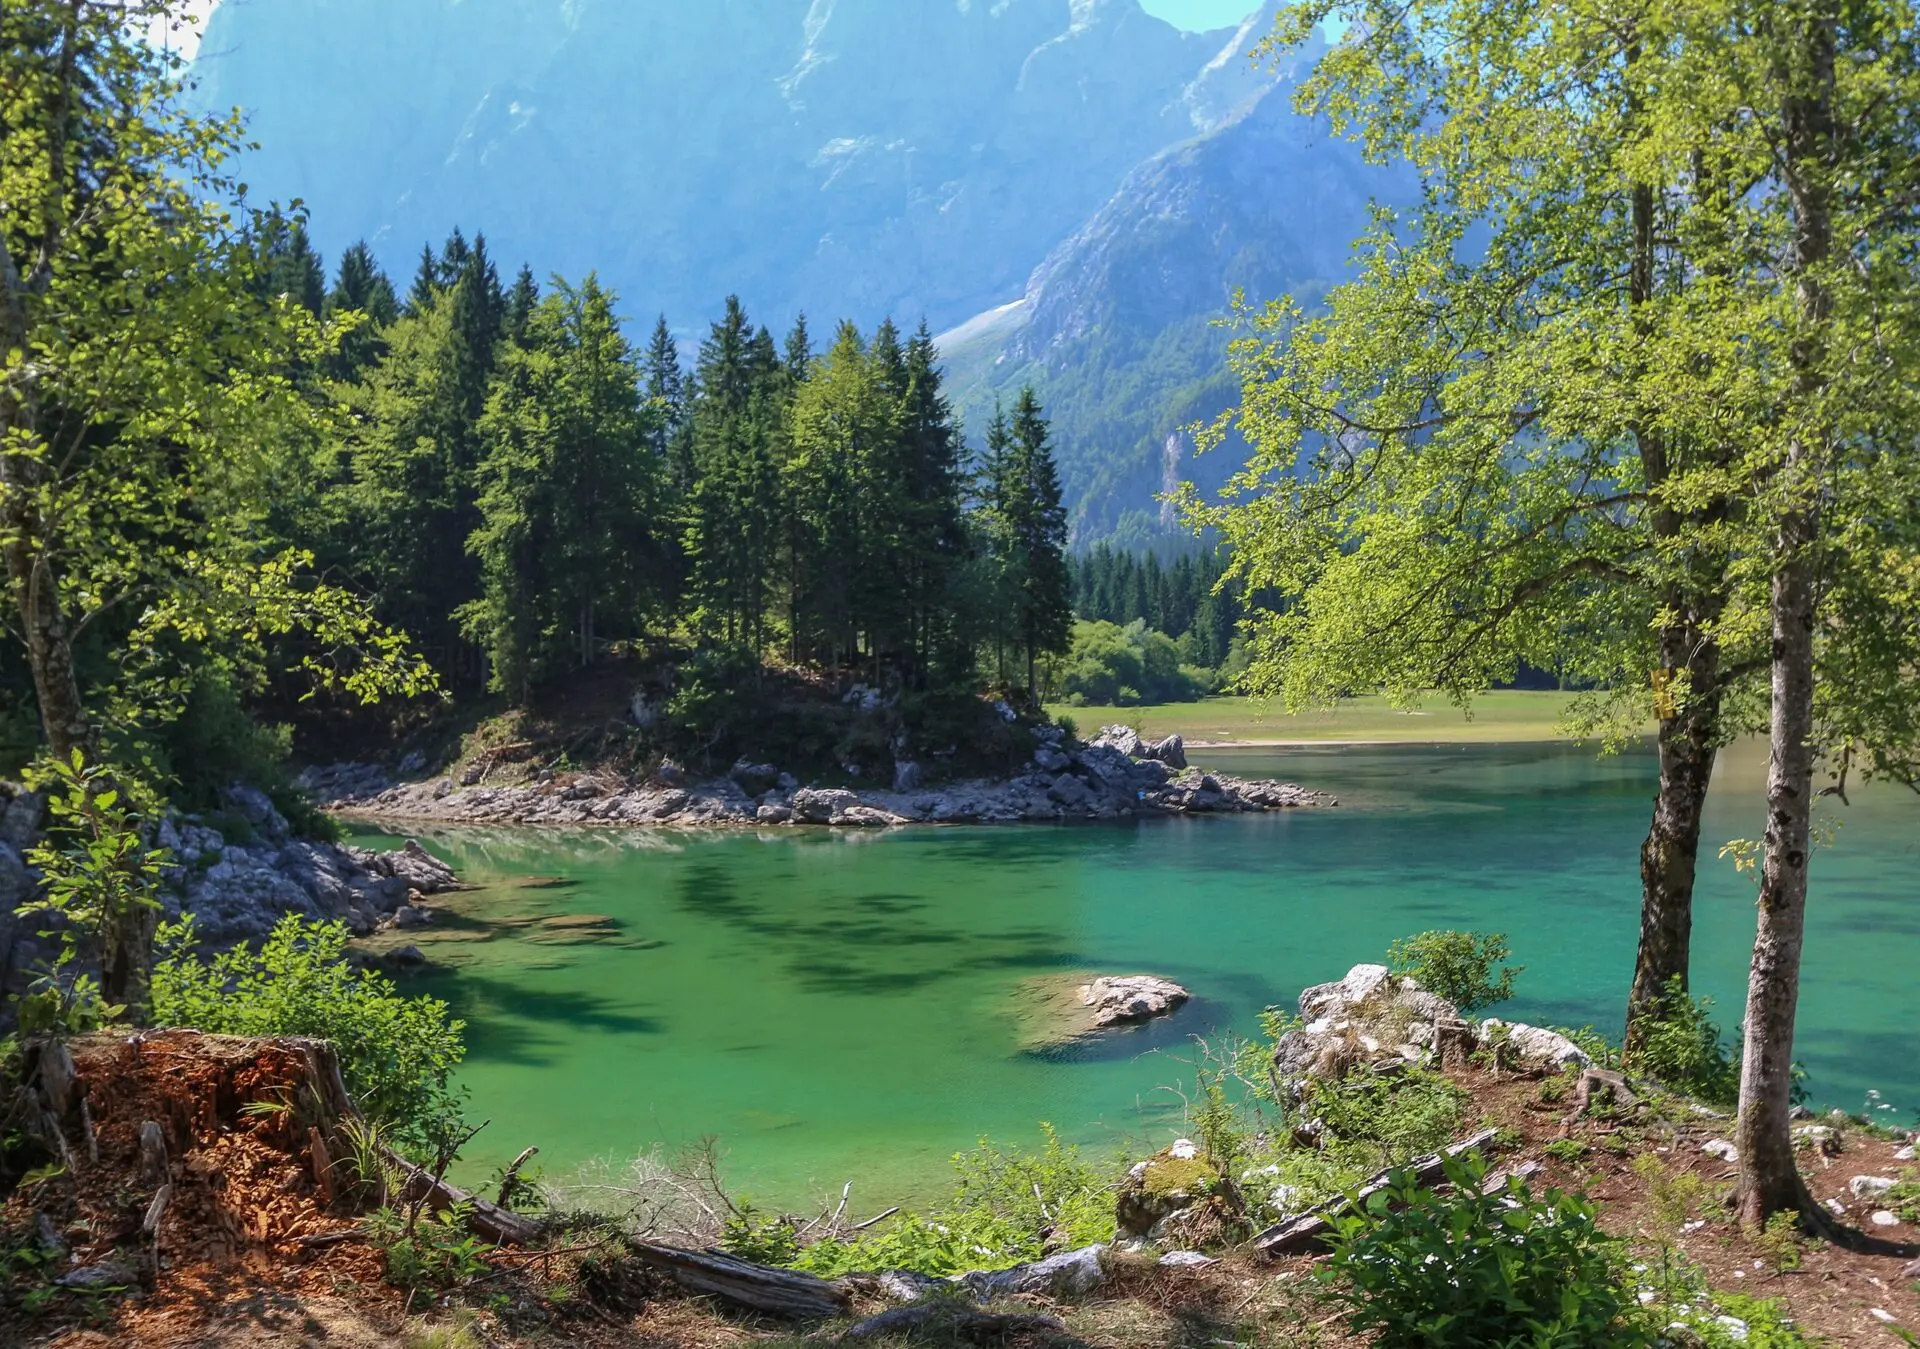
x=1465, y=968
x=939, y=1245
x=1025, y=525
x=1682, y=1049
x=1008, y=1205
x=1569, y=1150
x=768, y=1238
x=1780, y=1242
x=1189, y=600
x=100, y=878
x=1053, y=1192
x=1417, y=1267
x=396, y=1052
x=1394, y=1115
x=434, y=1253
x=1109, y=666
x=1673, y=1196
x=1904, y=1197
x=569, y=496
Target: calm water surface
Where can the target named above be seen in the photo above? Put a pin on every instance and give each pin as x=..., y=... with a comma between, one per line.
x=839, y=1006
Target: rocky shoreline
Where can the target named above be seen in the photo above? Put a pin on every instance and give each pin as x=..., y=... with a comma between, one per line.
x=1114, y=776
x=236, y=881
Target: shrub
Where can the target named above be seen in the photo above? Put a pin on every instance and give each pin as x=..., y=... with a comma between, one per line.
x=1398, y=1115
x=1008, y=1206
x=396, y=1052
x=1466, y=1269
x=1459, y=966
x=1107, y=666
x=1682, y=1050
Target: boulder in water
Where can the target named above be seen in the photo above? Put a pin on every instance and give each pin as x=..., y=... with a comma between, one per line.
x=1118, y=1000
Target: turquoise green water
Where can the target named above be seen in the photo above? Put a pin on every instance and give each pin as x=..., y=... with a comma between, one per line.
x=836, y=1006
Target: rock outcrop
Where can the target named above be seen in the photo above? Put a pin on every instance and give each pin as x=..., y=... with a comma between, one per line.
x=1121, y=1000
x=1115, y=776
x=1368, y=1017
x=237, y=882
x=1178, y=1196
x=1371, y=1019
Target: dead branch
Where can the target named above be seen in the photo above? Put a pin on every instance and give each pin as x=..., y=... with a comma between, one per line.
x=784, y=1292
x=1311, y=1227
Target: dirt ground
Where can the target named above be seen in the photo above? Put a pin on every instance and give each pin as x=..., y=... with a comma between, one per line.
x=260, y=1243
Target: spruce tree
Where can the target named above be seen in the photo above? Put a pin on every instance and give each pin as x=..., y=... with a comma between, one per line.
x=360, y=288
x=1037, y=535
x=520, y=303
x=569, y=495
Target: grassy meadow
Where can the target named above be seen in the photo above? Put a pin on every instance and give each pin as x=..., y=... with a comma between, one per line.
x=1502, y=717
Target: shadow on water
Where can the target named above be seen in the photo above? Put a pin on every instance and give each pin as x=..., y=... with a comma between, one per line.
x=507, y=1022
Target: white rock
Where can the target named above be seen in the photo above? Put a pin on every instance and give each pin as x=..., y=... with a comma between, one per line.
x=1904, y=1154
x=1119, y=999
x=1881, y=1314
x=1869, y=1187
x=1721, y=1148
x=1184, y=1149
x=1536, y=1044
x=1362, y=980
x=1736, y=1328
x=1882, y=1218
x=1187, y=1259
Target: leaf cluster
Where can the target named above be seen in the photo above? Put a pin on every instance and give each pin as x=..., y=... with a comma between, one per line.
x=397, y=1053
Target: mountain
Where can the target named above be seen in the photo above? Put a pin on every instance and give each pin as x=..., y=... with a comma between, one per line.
x=1119, y=328
x=852, y=158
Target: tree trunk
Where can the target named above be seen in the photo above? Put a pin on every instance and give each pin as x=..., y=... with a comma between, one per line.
x=1769, y=1178
x=1670, y=854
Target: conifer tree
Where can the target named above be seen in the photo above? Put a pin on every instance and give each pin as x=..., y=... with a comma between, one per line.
x=568, y=494
x=520, y=303
x=730, y=514
x=361, y=288
x=1029, y=528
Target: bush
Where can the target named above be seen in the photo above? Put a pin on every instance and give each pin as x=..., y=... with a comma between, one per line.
x=1420, y=1268
x=1682, y=1050
x=396, y=1052
x=1396, y=1116
x=1111, y=666
x=1459, y=966
x=1008, y=1206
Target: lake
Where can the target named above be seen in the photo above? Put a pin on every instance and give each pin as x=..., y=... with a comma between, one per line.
x=841, y=1006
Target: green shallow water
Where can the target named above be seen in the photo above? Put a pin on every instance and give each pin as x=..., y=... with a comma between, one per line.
x=838, y=1006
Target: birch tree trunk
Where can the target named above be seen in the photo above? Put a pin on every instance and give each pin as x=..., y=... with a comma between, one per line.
x=1769, y=1178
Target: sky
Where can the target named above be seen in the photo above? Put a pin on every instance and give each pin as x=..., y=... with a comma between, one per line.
x=1201, y=15
x=185, y=40
x=1198, y=15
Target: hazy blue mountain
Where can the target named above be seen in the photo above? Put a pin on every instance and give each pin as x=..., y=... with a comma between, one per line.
x=848, y=157
x=1117, y=328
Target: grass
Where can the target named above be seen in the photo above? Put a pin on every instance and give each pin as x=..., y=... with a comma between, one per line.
x=1504, y=716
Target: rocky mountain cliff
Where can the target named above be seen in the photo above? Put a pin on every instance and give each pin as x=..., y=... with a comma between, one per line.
x=846, y=157
x=1119, y=326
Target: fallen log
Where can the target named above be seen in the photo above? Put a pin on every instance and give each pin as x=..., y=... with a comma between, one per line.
x=1310, y=1228
x=783, y=1292
x=502, y=1227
